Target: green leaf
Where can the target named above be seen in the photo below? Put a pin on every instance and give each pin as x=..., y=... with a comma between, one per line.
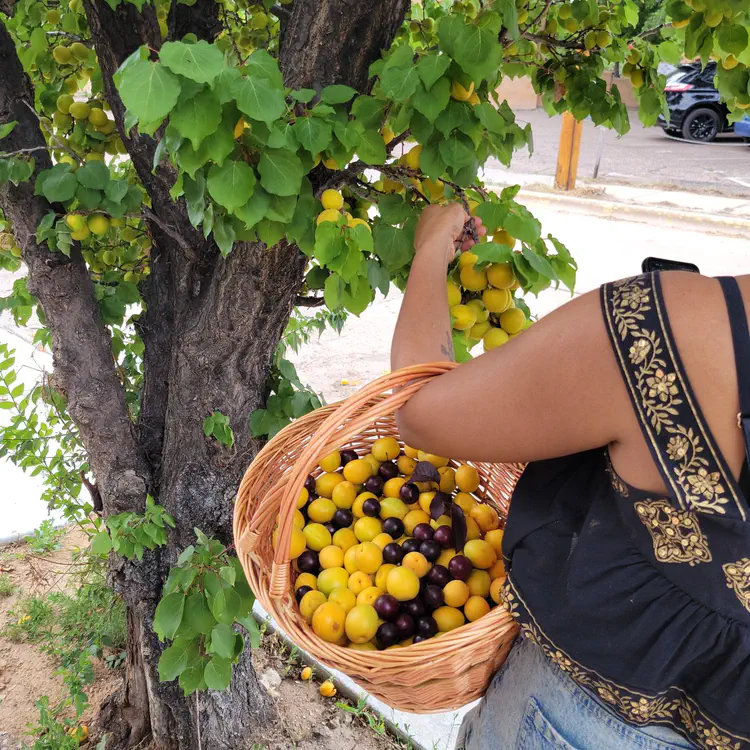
x=313, y=133
x=520, y=223
x=477, y=50
x=232, y=184
x=378, y=276
x=255, y=209
x=88, y=198
x=94, y=175
x=432, y=67
x=228, y=573
x=399, y=83
x=58, y=184
x=337, y=94
x=191, y=679
x=393, y=209
x=393, y=245
x=225, y=605
x=333, y=292
x=303, y=95
x=281, y=208
x=148, y=90
x=225, y=237
x=670, y=52
x=222, y=640
x=168, y=615
x=200, y=62
x=280, y=171
x=368, y=111
x=649, y=107
x=431, y=103
x=329, y=242
x=261, y=65
x=174, y=659
x=732, y=39
x=358, y=295
x=259, y=99
x=371, y=147
x=457, y=151
x=198, y=117
x=218, y=673
x=539, y=263
x=101, y=544
x=7, y=128
x=509, y=14
x=195, y=198
x=491, y=252
x=248, y=622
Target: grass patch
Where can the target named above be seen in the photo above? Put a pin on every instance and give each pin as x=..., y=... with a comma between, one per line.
x=7, y=587
x=46, y=538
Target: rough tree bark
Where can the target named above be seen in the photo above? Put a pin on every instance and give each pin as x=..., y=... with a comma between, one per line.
x=211, y=327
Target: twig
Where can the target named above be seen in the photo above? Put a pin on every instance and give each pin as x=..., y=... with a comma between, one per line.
x=6, y=154
x=311, y=301
x=470, y=223
x=59, y=145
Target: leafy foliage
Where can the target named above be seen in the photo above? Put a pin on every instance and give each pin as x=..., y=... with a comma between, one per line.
x=205, y=596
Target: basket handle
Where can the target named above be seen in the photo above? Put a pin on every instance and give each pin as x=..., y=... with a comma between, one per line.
x=342, y=425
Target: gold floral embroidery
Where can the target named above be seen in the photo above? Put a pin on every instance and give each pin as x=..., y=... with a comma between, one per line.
x=657, y=390
x=676, y=533
x=738, y=579
x=619, y=486
x=672, y=707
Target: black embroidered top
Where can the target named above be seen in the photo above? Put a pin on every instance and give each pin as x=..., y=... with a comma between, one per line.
x=644, y=600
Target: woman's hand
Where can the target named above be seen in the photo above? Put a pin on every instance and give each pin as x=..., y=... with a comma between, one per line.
x=442, y=230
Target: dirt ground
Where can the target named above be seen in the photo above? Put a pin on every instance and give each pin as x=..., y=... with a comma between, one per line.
x=307, y=721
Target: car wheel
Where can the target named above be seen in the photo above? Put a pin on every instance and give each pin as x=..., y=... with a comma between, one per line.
x=701, y=125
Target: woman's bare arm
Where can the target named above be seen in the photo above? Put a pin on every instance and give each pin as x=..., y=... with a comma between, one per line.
x=553, y=390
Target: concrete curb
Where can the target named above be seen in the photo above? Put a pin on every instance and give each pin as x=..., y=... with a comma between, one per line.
x=663, y=216
x=345, y=687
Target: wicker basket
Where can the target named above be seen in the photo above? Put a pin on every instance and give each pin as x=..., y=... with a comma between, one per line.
x=459, y=664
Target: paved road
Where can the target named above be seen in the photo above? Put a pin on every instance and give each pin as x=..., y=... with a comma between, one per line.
x=643, y=156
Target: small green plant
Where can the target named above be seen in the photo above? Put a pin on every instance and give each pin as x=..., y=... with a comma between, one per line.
x=205, y=595
x=217, y=424
x=362, y=712
x=46, y=538
x=130, y=534
x=53, y=731
x=7, y=587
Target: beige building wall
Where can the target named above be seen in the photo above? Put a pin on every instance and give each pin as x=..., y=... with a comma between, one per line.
x=521, y=95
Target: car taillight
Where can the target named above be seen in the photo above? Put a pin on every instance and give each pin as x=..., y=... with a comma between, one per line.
x=678, y=87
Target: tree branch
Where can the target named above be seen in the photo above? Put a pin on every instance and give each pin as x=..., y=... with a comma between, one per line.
x=84, y=365
x=311, y=301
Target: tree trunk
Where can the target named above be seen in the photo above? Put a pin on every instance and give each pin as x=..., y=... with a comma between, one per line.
x=210, y=331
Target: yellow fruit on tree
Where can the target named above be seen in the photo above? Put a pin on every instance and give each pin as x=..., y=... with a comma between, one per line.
x=98, y=117
x=500, y=275
x=497, y=300
x=412, y=156
x=62, y=55
x=330, y=163
x=472, y=279
x=729, y=62
x=459, y=93
x=53, y=16
x=76, y=222
x=464, y=317
x=328, y=621
x=109, y=258
x=361, y=623
x=63, y=103
x=98, y=224
x=513, y=320
x=434, y=189
x=636, y=78
x=328, y=214
x=479, y=309
x=467, y=260
x=603, y=39
x=494, y=337
x=332, y=199
x=680, y=24
x=503, y=237
x=79, y=110
x=388, y=135
x=474, y=99
x=71, y=85
x=80, y=51
x=589, y=40
x=81, y=234
x=712, y=20
x=477, y=331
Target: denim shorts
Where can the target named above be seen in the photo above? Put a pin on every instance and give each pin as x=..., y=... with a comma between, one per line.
x=532, y=704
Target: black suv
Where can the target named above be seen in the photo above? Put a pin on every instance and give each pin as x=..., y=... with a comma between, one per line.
x=695, y=112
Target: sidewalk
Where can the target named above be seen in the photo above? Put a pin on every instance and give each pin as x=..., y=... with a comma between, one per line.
x=707, y=212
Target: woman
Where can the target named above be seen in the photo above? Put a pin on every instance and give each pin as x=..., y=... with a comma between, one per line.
x=628, y=539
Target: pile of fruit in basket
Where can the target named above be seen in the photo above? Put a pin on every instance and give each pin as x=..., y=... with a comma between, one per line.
x=392, y=548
